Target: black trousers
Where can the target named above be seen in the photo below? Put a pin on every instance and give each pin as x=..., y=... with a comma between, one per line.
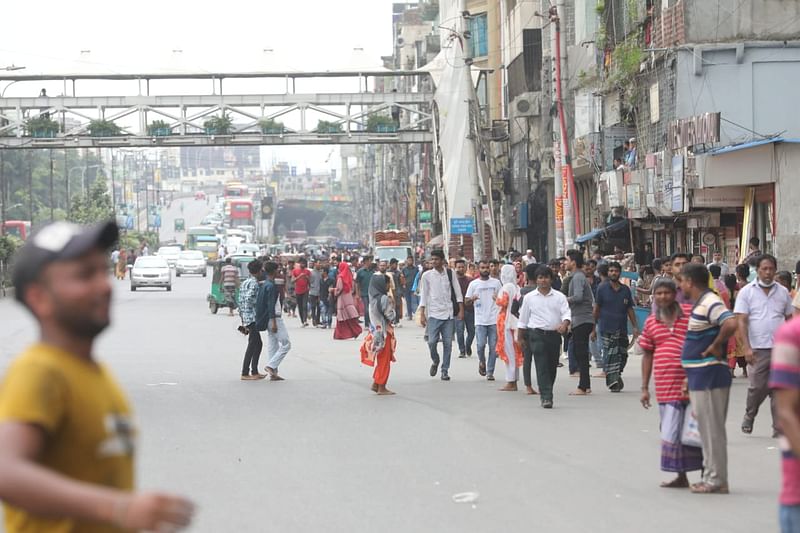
x=302, y=307
x=253, y=351
x=314, y=302
x=580, y=347
x=546, y=348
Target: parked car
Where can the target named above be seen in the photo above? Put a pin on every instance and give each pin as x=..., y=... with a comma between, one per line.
x=151, y=271
x=248, y=248
x=170, y=253
x=191, y=262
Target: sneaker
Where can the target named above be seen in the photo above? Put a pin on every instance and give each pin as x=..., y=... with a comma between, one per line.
x=469, y=353
x=490, y=377
x=547, y=404
x=434, y=368
x=462, y=355
x=250, y=378
x=445, y=376
x=482, y=369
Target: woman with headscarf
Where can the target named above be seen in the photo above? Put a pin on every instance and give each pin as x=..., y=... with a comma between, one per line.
x=508, y=349
x=379, y=345
x=662, y=342
x=346, y=313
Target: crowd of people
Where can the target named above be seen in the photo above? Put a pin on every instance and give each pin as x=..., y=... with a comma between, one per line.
x=703, y=320
x=517, y=310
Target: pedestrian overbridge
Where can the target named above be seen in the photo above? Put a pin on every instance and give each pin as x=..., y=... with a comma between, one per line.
x=79, y=119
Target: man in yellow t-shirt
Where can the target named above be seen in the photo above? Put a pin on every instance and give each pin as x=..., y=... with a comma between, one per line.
x=66, y=432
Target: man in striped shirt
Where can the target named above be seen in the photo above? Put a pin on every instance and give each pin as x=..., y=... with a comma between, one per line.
x=709, y=380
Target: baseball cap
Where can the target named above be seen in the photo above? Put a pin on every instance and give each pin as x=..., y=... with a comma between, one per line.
x=59, y=241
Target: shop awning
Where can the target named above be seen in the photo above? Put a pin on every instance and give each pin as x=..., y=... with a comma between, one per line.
x=601, y=232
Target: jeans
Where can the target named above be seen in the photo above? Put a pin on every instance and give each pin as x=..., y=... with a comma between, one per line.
x=573, y=364
x=482, y=334
x=468, y=324
x=444, y=329
x=253, y=351
x=411, y=303
x=326, y=317
x=313, y=301
x=790, y=518
x=365, y=299
x=546, y=348
x=278, y=344
x=580, y=348
x=302, y=307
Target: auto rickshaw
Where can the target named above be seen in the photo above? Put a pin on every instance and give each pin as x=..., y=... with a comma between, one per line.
x=180, y=224
x=216, y=297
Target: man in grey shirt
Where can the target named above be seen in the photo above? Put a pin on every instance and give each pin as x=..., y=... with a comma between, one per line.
x=314, y=285
x=580, y=301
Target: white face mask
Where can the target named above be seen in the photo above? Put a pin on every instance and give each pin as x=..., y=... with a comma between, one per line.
x=766, y=285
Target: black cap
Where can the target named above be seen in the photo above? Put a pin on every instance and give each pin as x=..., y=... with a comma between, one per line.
x=59, y=241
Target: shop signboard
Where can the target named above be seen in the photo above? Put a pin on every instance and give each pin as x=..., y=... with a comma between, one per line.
x=424, y=216
x=677, y=184
x=462, y=226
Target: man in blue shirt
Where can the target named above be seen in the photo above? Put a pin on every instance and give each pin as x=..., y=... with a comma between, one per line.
x=363, y=277
x=613, y=308
x=269, y=319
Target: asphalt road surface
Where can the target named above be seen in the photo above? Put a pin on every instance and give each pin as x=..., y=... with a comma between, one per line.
x=321, y=452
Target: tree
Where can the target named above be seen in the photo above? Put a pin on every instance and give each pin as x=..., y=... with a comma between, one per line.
x=94, y=206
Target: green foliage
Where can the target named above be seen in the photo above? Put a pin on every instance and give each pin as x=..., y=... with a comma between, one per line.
x=270, y=125
x=133, y=239
x=324, y=126
x=104, y=128
x=218, y=125
x=93, y=207
x=159, y=128
x=8, y=245
x=626, y=59
x=381, y=123
x=600, y=7
x=42, y=126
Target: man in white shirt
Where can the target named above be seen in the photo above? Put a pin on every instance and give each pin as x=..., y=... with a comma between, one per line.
x=482, y=292
x=528, y=258
x=762, y=306
x=543, y=318
x=439, y=295
x=723, y=266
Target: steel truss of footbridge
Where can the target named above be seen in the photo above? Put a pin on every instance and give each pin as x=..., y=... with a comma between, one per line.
x=185, y=114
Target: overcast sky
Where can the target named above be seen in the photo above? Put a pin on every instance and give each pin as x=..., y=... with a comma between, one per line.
x=176, y=35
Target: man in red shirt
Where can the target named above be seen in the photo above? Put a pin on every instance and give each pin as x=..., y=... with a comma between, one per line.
x=301, y=276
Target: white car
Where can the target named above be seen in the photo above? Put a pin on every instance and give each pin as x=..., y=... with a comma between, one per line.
x=170, y=253
x=151, y=271
x=248, y=248
x=191, y=262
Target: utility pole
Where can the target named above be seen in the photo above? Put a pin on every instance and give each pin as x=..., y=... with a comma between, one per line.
x=52, y=198
x=558, y=186
x=30, y=186
x=66, y=178
x=567, y=176
x=3, y=199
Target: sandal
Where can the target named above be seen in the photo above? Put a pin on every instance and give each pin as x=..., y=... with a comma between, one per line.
x=707, y=488
x=747, y=426
x=676, y=483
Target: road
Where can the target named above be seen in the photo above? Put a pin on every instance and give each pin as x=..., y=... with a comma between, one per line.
x=320, y=452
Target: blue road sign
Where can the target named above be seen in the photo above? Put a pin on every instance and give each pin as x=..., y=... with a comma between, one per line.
x=462, y=226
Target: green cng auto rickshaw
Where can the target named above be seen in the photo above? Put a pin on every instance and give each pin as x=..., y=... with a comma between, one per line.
x=180, y=224
x=217, y=297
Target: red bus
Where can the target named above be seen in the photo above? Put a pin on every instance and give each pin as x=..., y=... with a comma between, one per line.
x=241, y=213
x=18, y=228
x=236, y=189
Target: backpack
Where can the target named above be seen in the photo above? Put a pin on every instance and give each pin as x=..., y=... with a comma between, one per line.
x=453, y=298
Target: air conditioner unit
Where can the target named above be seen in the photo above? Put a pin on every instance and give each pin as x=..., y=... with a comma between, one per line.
x=528, y=104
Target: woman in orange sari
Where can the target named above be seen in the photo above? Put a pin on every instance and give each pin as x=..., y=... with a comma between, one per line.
x=122, y=264
x=378, y=347
x=508, y=349
x=346, y=313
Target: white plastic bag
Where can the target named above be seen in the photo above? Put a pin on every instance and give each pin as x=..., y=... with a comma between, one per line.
x=690, y=436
